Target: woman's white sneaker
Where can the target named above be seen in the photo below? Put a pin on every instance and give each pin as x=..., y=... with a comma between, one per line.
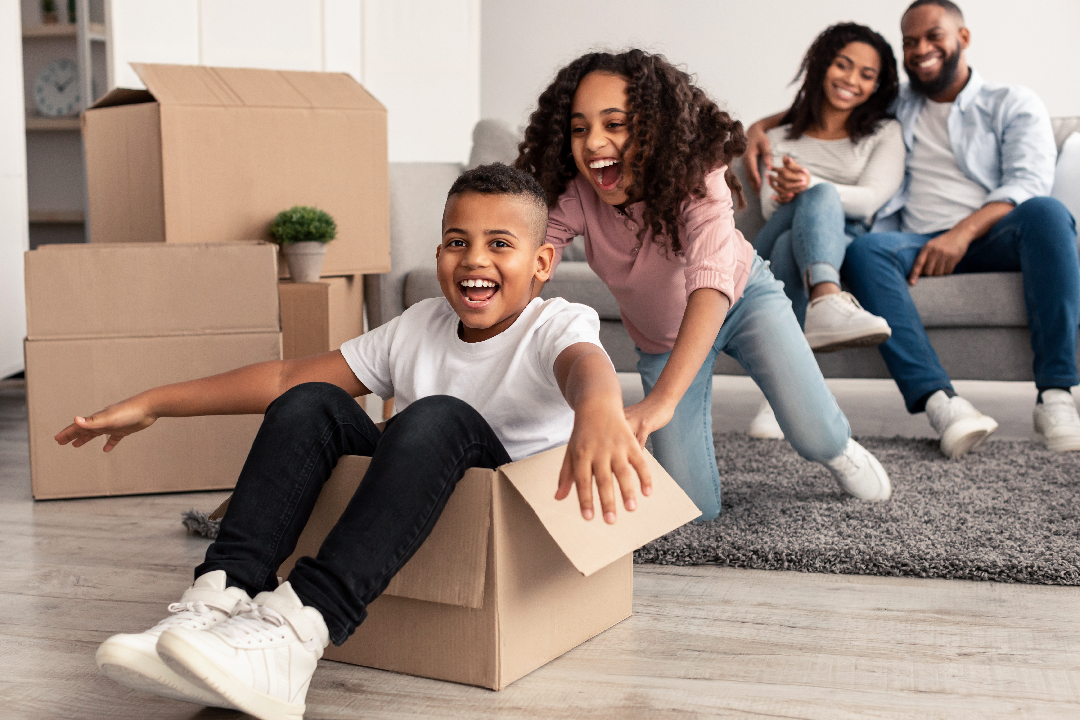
x=838, y=321
x=132, y=660
x=764, y=425
x=860, y=474
x=1057, y=425
x=260, y=660
x=962, y=428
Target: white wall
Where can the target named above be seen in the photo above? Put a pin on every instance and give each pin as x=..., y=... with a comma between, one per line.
x=420, y=58
x=14, y=239
x=745, y=54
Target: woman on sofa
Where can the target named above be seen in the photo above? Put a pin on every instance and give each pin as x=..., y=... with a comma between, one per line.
x=838, y=156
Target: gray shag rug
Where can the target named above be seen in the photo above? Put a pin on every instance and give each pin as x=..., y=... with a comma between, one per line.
x=1008, y=512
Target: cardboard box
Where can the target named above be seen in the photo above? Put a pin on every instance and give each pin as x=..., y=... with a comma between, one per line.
x=509, y=578
x=105, y=322
x=319, y=317
x=213, y=154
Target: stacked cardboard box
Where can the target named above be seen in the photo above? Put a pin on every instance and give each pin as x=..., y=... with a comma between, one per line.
x=318, y=317
x=213, y=154
x=509, y=578
x=105, y=322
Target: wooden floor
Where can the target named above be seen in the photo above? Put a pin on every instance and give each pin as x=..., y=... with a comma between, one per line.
x=702, y=642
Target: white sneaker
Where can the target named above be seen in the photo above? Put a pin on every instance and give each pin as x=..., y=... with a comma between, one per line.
x=131, y=660
x=860, y=473
x=961, y=426
x=1057, y=426
x=764, y=425
x=838, y=321
x=260, y=660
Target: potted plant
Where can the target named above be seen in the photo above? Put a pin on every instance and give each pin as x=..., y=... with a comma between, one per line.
x=302, y=232
x=48, y=12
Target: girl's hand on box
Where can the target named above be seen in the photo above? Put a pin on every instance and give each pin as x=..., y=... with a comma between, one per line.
x=603, y=447
x=117, y=421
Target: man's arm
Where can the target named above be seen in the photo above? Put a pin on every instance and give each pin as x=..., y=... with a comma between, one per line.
x=601, y=444
x=757, y=146
x=941, y=255
x=244, y=391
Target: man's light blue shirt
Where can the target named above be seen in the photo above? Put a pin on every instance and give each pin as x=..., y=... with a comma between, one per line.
x=1001, y=137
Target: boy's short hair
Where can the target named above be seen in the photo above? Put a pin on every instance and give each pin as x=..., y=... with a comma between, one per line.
x=499, y=179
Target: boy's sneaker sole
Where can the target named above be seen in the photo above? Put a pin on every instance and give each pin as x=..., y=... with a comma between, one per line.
x=963, y=436
x=832, y=342
x=1058, y=444
x=186, y=659
x=140, y=668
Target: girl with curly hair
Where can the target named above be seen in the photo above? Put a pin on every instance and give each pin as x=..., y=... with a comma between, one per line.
x=838, y=156
x=634, y=157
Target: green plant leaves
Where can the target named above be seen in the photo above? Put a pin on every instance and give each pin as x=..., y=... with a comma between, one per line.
x=302, y=223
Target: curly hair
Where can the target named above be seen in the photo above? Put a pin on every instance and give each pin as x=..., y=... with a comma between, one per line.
x=677, y=135
x=805, y=111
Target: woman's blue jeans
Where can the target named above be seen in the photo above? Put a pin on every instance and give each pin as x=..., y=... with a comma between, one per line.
x=761, y=333
x=1038, y=238
x=805, y=241
x=415, y=465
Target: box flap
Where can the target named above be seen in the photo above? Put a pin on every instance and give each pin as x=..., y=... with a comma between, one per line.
x=123, y=96
x=247, y=87
x=592, y=545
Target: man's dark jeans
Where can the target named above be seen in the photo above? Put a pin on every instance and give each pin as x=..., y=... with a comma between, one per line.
x=415, y=465
x=1038, y=238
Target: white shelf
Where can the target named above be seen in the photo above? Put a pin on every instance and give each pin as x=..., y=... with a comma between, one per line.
x=53, y=124
x=97, y=31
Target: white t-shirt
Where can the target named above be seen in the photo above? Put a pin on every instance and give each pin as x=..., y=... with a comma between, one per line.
x=509, y=379
x=939, y=193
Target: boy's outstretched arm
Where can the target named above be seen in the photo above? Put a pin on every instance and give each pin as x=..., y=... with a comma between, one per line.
x=602, y=444
x=244, y=391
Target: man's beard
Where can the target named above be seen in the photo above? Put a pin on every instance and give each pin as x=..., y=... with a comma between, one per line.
x=944, y=79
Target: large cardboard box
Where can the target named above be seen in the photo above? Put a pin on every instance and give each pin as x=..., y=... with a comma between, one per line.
x=509, y=578
x=319, y=317
x=213, y=154
x=105, y=322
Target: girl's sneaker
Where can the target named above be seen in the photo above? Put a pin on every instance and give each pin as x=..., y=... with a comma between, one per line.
x=260, y=660
x=764, y=425
x=132, y=660
x=860, y=474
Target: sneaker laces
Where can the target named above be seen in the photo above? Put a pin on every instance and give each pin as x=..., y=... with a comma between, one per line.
x=195, y=615
x=847, y=303
x=1062, y=412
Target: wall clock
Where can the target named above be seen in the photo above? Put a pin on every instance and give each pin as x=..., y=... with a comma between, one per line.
x=56, y=91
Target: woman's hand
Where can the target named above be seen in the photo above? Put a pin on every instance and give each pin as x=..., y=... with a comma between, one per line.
x=117, y=421
x=757, y=147
x=648, y=415
x=788, y=180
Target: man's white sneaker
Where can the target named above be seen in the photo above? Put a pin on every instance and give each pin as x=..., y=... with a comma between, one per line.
x=1057, y=425
x=260, y=660
x=132, y=660
x=961, y=427
x=860, y=474
x=764, y=425
x=838, y=321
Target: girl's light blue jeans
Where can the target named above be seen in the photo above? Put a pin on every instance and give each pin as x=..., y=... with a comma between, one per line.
x=805, y=241
x=761, y=333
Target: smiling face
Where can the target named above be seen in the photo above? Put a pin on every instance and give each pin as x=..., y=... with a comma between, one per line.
x=852, y=77
x=934, y=44
x=491, y=263
x=599, y=132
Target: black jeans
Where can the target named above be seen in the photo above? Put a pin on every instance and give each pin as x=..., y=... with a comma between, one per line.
x=415, y=465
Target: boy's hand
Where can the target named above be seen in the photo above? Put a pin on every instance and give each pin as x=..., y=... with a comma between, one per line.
x=117, y=421
x=603, y=447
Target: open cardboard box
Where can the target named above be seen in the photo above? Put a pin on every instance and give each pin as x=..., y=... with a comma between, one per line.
x=105, y=322
x=208, y=154
x=509, y=578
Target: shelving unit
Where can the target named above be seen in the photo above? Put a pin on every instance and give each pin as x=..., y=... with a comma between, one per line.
x=56, y=174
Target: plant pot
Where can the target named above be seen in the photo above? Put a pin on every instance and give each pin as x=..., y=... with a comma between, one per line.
x=50, y=18
x=305, y=260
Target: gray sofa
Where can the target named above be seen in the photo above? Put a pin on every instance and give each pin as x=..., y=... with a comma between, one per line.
x=976, y=322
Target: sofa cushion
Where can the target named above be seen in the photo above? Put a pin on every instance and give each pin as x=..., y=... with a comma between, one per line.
x=1067, y=176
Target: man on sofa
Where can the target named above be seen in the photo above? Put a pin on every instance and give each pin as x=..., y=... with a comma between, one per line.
x=980, y=164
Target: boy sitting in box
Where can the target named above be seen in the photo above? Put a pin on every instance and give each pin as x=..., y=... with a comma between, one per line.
x=489, y=375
